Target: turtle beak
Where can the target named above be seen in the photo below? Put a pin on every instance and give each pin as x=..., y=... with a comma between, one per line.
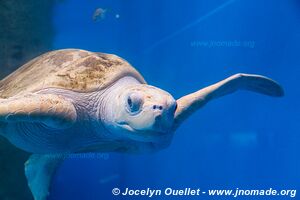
x=164, y=118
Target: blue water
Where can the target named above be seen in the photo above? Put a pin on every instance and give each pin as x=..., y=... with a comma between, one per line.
x=243, y=140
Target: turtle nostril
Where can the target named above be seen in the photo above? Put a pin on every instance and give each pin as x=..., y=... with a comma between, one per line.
x=157, y=107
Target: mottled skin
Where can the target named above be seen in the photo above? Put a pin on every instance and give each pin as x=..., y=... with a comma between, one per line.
x=71, y=101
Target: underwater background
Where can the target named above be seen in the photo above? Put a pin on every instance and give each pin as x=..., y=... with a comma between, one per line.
x=243, y=140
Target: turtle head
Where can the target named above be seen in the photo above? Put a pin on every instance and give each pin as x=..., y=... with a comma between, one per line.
x=143, y=112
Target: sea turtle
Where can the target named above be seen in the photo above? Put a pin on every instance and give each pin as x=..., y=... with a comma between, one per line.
x=72, y=100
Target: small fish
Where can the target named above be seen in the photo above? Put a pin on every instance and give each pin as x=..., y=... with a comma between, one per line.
x=99, y=14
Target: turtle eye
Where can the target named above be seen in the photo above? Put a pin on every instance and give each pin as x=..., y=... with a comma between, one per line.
x=134, y=103
x=129, y=102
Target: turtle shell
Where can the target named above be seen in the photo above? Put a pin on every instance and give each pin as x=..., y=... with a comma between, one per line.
x=71, y=69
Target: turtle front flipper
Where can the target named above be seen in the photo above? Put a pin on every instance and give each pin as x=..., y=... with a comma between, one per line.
x=51, y=110
x=39, y=170
x=188, y=104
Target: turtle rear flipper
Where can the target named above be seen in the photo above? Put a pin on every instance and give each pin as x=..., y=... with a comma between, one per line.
x=39, y=170
x=51, y=110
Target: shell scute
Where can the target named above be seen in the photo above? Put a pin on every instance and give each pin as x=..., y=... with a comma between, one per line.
x=71, y=69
